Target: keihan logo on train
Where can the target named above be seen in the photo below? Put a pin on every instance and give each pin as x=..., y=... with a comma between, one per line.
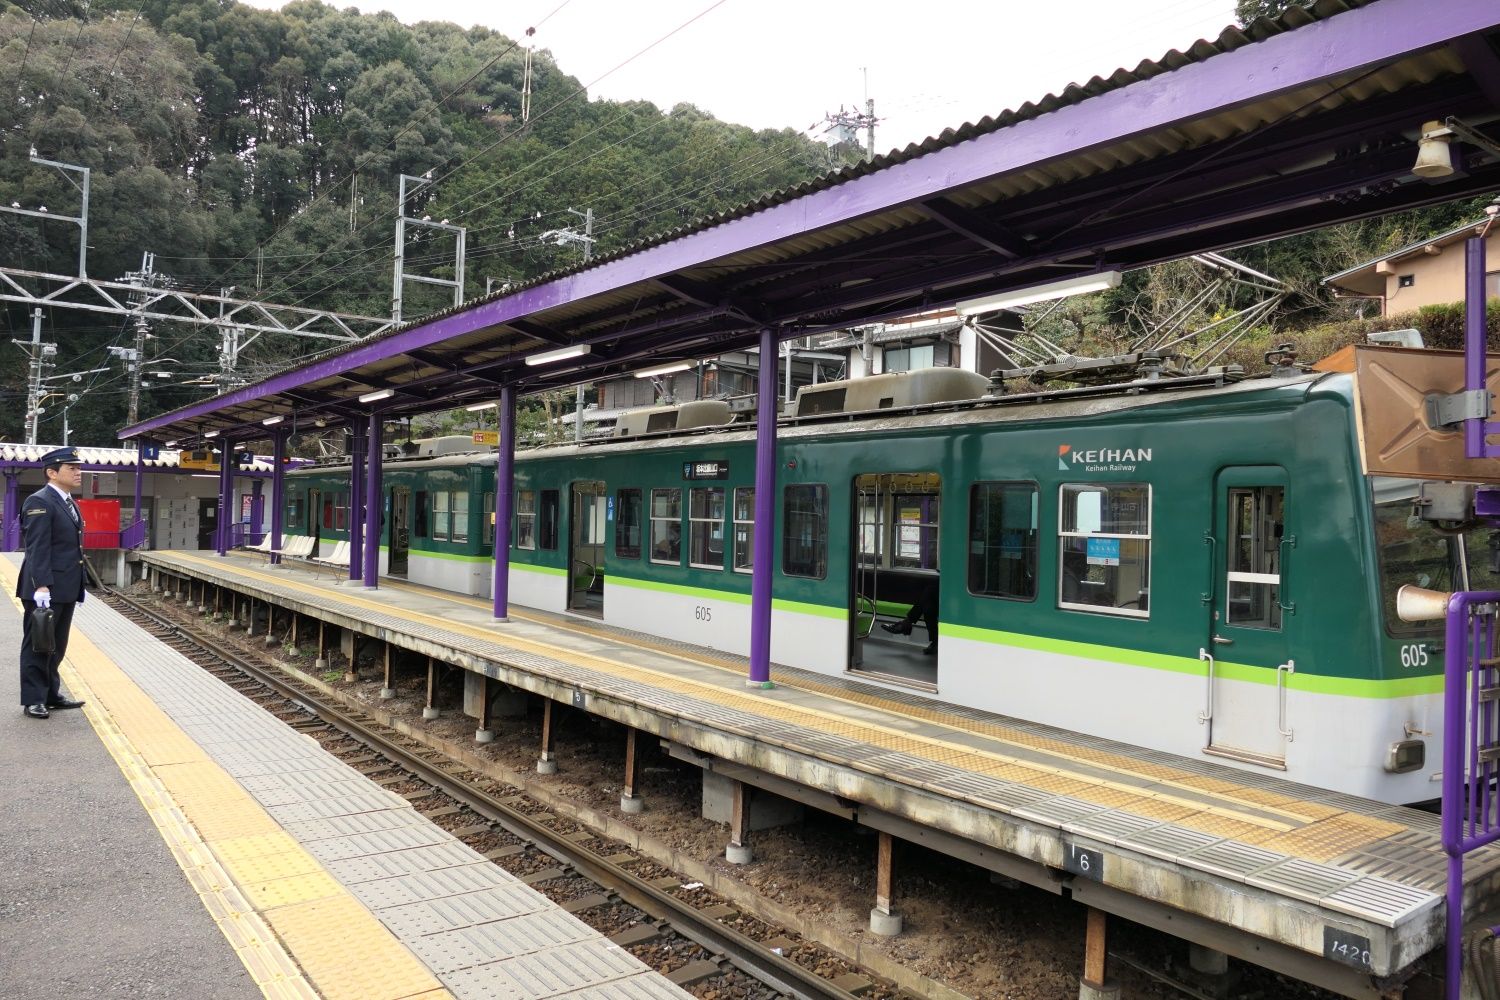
x=1101, y=459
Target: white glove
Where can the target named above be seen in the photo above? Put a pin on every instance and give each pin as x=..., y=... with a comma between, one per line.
x=43, y=598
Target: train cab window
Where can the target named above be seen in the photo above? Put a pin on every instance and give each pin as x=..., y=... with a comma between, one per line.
x=1104, y=548
x=547, y=520
x=1257, y=522
x=440, y=515
x=487, y=519
x=460, y=513
x=804, y=539
x=1003, y=540
x=1411, y=550
x=666, y=527
x=706, y=527
x=294, y=512
x=419, y=523
x=628, y=524
x=526, y=519
x=744, y=529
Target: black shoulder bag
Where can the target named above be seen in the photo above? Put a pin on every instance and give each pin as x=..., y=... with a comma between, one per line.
x=43, y=630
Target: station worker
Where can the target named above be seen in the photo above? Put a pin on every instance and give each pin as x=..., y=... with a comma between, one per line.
x=52, y=575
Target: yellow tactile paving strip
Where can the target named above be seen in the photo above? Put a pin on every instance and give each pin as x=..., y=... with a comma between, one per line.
x=297, y=931
x=1290, y=826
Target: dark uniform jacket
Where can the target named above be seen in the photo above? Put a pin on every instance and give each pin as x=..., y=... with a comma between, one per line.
x=54, y=548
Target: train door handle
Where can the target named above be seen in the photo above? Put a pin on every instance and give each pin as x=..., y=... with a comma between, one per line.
x=1219, y=640
x=1283, y=671
x=1208, y=712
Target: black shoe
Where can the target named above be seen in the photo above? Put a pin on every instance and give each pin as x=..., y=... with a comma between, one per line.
x=930, y=649
x=64, y=703
x=37, y=711
x=902, y=627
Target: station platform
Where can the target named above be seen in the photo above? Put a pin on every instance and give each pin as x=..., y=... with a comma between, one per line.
x=1339, y=889
x=294, y=875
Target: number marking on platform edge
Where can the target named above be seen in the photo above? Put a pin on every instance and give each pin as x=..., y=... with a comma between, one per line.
x=1346, y=948
x=1083, y=862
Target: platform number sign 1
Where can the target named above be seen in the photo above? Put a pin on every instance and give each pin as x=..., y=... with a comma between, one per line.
x=1083, y=862
x=1347, y=949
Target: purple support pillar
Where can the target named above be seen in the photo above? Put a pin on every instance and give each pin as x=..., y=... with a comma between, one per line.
x=765, y=513
x=373, y=503
x=356, y=501
x=505, y=491
x=12, y=512
x=1474, y=341
x=257, y=510
x=226, y=496
x=140, y=474
x=278, y=491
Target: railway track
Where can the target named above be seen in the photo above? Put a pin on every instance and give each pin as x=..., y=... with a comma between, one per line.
x=654, y=923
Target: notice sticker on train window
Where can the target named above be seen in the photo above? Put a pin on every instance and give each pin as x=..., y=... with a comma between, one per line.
x=1104, y=552
x=1348, y=949
x=705, y=470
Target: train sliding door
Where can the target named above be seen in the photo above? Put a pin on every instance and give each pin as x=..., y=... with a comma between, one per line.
x=1248, y=657
x=586, y=547
x=893, y=594
x=400, y=539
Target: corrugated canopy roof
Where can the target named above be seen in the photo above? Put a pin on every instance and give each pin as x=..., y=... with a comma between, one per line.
x=1289, y=125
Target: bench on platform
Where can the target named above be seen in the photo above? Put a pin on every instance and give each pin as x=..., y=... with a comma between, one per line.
x=295, y=547
x=337, y=559
x=263, y=546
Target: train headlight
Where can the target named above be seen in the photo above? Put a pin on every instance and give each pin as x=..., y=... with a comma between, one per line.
x=1406, y=755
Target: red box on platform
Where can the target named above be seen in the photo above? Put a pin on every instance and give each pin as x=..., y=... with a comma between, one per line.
x=101, y=523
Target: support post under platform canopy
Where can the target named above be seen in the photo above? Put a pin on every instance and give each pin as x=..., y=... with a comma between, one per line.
x=357, y=516
x=226, y=496
x=278, y=492
x=373, y=455
x=505, y=467
x=765, y=512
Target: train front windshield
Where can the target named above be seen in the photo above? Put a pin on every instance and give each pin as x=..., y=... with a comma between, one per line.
x=1418, y=552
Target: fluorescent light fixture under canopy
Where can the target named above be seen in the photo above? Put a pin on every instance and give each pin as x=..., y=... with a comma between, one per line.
x=210, y=434
x=547, y=357
x=676, y=366
x=377, y=395
x=273, y=421
x=481, y=406
x=1079, y=284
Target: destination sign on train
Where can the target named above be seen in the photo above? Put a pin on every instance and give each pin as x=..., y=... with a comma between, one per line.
x=705, y=470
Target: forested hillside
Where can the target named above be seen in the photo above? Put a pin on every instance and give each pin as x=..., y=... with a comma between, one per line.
x=261, y=150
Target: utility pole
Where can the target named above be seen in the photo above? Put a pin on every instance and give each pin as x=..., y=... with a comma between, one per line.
x=37, y=354
x=135, y=356
x=845, y=125
x=563, y=237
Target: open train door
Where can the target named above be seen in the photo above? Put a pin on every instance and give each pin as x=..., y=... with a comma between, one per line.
x=400, y=540
x=1247, y=655
x=588, y=513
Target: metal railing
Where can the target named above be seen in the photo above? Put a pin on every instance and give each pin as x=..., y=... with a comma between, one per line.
x=133, y=535
x=1471, y=750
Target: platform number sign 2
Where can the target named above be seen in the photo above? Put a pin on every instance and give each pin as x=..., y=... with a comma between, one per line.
x=1083, y=862
x=1347, y=949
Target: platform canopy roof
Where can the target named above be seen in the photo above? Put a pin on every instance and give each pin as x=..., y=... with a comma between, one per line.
x=1285, y=126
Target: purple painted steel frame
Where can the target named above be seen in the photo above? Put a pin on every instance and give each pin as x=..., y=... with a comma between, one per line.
x=374, y=455
x=278, y=490
x=765, y=512
x=1476, y=429
x=1470, y=807
x=357, y=452
x=1341, y=44
x=140, y=474
x=505, y=491
x=226, y=495
x=12, y=505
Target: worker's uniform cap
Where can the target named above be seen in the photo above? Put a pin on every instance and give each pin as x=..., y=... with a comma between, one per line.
x=61, y=456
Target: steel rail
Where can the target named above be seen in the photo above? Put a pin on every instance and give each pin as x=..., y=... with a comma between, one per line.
x=740, y=950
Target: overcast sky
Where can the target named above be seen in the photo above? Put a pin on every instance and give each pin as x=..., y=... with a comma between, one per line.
x=932, y=64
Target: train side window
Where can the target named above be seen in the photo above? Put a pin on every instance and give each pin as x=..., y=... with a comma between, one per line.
x=419, y=522
x=547, y=520
x=1003, y=540
x=666, y=527
x=526, y=519
x=341, y=511
x=804, y=540
x=744, y=529
x=487, y=519
x=706, y=527
x=460, y=512
x=294, y=512
x=1257, y=521
x=440, y=515
x=628, y=524
x=1104, y=548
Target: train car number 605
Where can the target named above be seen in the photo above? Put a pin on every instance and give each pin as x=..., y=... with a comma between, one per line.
x=703, y=613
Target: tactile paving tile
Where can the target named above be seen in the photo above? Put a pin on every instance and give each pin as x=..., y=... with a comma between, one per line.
x=1233, y=860
x=368, y=801
x=1381, y=900
x=561, y=970
x=379, y=842
x=418, y=886
x=342, y=826
x=345, y=951
x=638, y=987
x=421, y=859
x=504, y=940
x=437, y=915
x=1302, y=879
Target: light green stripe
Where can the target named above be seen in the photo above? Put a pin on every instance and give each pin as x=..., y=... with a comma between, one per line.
x=1348, y=687
x=452, y=556
x=533, y=568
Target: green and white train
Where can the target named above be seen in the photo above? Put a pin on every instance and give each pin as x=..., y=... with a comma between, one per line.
x=1197, y=570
